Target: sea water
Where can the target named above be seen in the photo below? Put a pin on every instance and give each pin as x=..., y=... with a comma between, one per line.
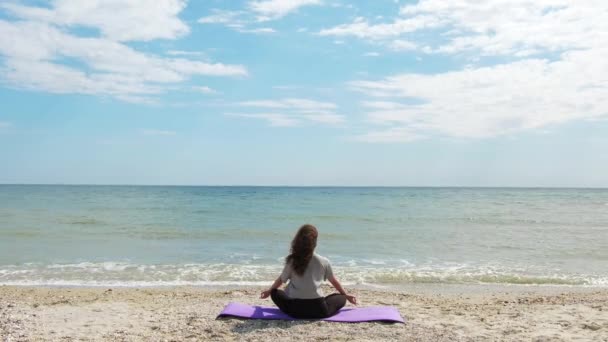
x=181, y=235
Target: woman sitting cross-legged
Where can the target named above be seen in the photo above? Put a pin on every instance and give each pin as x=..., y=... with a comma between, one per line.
x=306, y=271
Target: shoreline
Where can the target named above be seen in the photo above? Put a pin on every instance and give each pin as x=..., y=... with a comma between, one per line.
x=405, y=286
x=416, y=288
x=438, y=313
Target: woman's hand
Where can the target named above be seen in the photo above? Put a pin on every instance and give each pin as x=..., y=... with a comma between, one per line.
x=265, y=294
x=336, y=284
x=275, y=285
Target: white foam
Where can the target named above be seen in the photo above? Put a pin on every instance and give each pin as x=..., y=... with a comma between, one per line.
x=80, y=283
x=111, y=273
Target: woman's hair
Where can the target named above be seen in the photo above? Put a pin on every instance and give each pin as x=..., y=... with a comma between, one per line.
x=302, y=247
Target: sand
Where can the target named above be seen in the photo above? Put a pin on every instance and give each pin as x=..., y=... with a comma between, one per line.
x=189, y=314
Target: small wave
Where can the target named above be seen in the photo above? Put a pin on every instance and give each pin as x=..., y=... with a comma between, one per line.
x=374, y=261
x=446, y=278
x=103, y=283
x=20, y=234
x=131, y=274
x=82, y=221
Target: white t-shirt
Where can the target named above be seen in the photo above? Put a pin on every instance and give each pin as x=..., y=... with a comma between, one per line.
x=307, y=285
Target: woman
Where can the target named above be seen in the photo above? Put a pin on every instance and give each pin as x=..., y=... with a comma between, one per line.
x=306, y=271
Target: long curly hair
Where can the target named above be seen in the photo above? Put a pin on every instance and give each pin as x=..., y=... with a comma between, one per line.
x=302, y=248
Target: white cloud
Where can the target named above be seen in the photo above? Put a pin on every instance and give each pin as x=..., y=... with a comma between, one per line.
x=291, y=103
x=205, y=90
x=230, y=18
x=402, y=45
x=508, y=27
x=362, y=28
x=116, y=19
x=256, y=12
x=186, y=53
x=292, y=111
x=236, y=20
x=528, y=91
x=489, y=101
x=157, y=132
x=287, y=87
x=260, y=30
x=519, y=27
x=40, y=56
x=275, y=9
x=371, y=54
x=391, y=135
x=5, y=124
x=274, y=119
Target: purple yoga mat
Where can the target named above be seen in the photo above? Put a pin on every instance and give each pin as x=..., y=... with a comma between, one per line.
x=368, y=314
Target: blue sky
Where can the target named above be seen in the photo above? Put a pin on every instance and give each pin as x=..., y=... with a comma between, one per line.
x=305, y=92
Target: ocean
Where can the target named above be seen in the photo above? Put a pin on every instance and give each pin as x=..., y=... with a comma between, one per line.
x=222, y=236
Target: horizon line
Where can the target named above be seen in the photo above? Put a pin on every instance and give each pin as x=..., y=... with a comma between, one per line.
x=315, y=186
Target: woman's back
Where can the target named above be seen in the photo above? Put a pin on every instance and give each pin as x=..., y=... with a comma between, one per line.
x=305, y=270
x=307, y=285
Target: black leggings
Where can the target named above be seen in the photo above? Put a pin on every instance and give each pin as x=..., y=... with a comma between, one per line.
x=308, y=308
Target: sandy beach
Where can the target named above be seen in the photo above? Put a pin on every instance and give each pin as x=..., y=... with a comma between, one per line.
x=445, y=313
